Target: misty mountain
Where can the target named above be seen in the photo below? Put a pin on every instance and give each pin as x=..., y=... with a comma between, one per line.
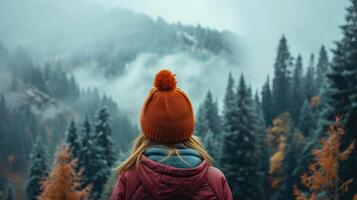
x=82, y=33
x=158, y=37
x=145, y=35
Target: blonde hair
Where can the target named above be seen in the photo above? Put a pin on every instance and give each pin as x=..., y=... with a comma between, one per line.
x=141, y=144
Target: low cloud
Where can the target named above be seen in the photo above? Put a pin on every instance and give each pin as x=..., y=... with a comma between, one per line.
x=194, y=75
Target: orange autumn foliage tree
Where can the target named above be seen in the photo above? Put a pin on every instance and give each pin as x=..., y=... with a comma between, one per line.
x=277, y=141
x=63, y=182
x=322, y=181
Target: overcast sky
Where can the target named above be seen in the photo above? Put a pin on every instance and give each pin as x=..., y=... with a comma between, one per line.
x=259, y=23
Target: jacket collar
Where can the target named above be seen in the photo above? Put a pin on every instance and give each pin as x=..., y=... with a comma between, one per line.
x=173, y=171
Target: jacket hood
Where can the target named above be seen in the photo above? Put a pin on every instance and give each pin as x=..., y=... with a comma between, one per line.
x=167, y=182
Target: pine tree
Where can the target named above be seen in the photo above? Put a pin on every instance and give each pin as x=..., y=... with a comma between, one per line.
x=104, y=136
x=307, y=121
x=85, y=140
x=263, y=147
x=281, y=81
x=297, y=91
x=229, y=125
x=63, y=181
x=213, y=116
x=208, y=117
x=229, y=105
x=38, y=170
x=321, y=69
x=267, y=102
x=72, y=140
x=208, y=125
x=309, y=80
x=239, y=161
x=201, y=126
x=228, y=158
x=340, y=95
x=93, y=162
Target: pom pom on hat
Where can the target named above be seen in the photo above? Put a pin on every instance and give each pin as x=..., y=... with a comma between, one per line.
x=165, y=80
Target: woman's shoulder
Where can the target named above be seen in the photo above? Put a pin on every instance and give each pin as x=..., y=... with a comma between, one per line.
x=218, y=183
x=215, y=174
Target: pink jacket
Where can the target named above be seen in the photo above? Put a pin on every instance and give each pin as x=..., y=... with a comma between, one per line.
x=155, y=181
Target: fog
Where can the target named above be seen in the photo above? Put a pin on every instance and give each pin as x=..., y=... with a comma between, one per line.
x=307, y=24
x=194, y=77
x=56, y=30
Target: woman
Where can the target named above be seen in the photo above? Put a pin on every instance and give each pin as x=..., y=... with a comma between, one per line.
x=166, y=161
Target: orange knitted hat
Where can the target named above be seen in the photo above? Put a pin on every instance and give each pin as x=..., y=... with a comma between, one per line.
x=167, y=114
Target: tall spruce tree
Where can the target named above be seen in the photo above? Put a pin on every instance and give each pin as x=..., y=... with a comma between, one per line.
x=267, y=102
x=104, y=136
x=297, y=90
x=263, y=147
x=281, y=81
x=208, y=125
x=85, y=138
x=229, y=106
x=321, y=69
x=38, y=170
x=309, y=80
x=239, y=152
x=201, y=126
x=337, y=98
x=228, y=159
x=208, y=117
x=72, y=140
x=341, y=95
x=93, y=162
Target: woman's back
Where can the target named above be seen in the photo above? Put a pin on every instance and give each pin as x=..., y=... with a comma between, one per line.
x=153, y=180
